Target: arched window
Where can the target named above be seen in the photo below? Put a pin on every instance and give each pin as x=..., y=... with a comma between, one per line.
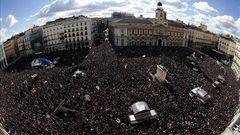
x=73, y=30
x=69, y=35
x=86, y=33
x=77, y=34
x=85, y=28
x=81, y=33
x=73, y=34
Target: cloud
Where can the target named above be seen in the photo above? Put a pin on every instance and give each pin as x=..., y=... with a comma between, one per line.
x=64, y=8
x=68, y=7
x=237, y=23
x=11, y=20
x=0, y=19
x=176, y=9
x=224, y=24
x=203, y=6
x=175, y=5
x=3, y=32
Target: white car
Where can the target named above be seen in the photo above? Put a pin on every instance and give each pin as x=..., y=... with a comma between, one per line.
x=141, y=112
x=200, y=94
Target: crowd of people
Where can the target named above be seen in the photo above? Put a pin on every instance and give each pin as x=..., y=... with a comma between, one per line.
x=98, y=100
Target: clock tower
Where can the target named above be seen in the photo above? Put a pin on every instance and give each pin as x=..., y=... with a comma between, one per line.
x=161, y=15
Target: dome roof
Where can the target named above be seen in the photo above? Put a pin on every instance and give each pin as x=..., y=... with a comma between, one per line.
x=159, y=4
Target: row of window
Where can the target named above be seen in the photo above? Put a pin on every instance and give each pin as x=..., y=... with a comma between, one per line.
x=54, y=42
x=75, y=24
x=68, y=40
x=73, y=30
x=55, y=30
x=75, y=34
x=76, y=39
x=175, y=34
x=67, y=46
x=52, y=37
x=65, y=31
x=138, y=31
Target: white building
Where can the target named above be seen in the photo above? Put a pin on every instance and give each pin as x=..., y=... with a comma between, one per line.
x=3, y=60
x=51, y=36
x=236, y=59
x=158, y=31
x=68, y=34
x=227, y=45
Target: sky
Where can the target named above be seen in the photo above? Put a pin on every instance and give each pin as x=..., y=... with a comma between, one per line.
x=221, y=16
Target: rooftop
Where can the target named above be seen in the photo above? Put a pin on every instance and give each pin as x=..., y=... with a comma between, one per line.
x=135, y=21
x=176, y=24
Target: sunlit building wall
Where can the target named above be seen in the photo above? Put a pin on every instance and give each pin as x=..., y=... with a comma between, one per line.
x=227, y=45
x=236, y=59
x=68, y=34
x=11, y=49
x=200, y=38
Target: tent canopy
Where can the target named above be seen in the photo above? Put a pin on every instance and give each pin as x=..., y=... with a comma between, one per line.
x=41, y=62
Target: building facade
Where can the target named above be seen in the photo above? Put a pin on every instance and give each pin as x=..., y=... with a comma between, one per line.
x=199, y=37
x=227, y=45
x=11, y=49
x=133, y=32
x=36, y=38
x=214, y=39
x=236, y=59
x=52, y=36
x=177, y=34
x=68, y=34
x=20, y=44
x=148, y=32
x=27, y=43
